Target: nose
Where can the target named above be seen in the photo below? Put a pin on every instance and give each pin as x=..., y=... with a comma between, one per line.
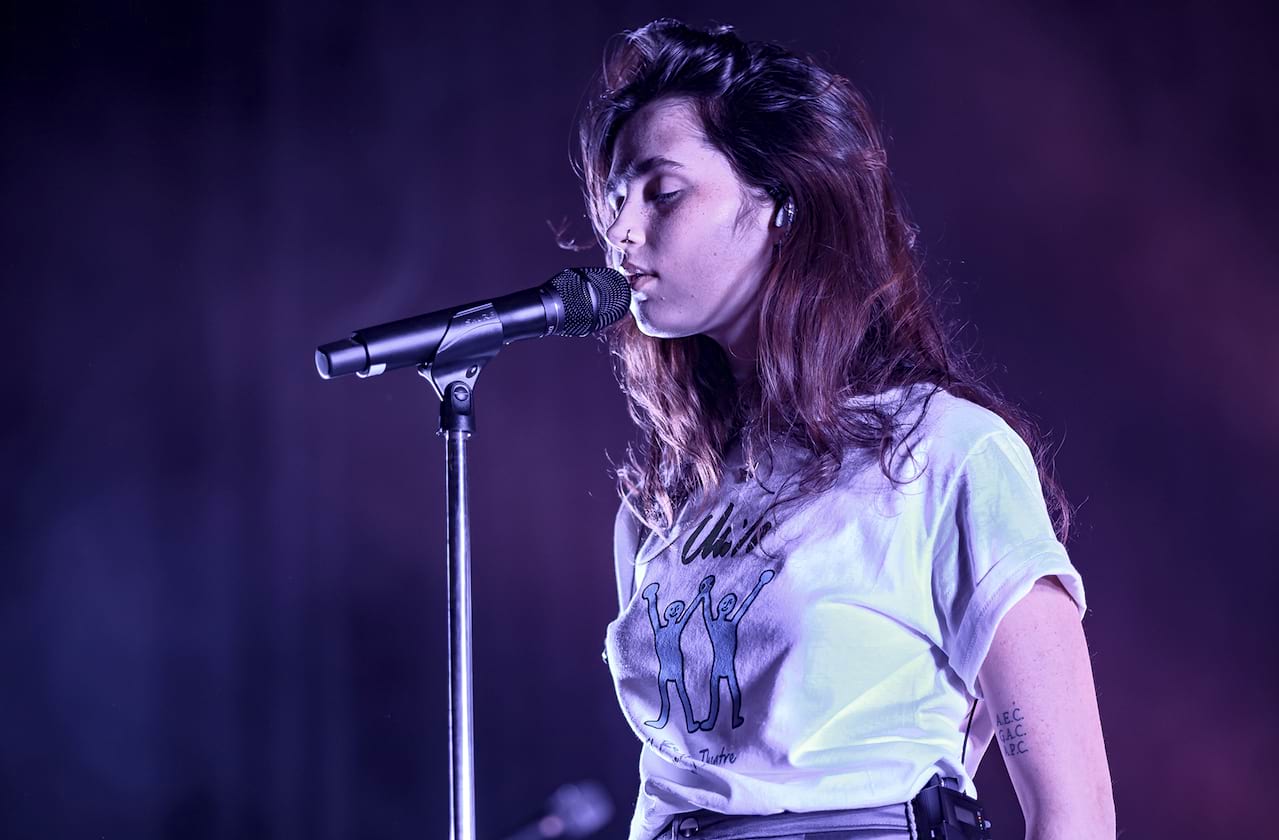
x=627, y=230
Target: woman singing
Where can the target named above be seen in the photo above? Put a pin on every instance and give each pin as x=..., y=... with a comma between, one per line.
x=840, y=563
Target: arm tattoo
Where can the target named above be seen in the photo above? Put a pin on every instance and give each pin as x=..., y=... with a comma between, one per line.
x=1012, y=730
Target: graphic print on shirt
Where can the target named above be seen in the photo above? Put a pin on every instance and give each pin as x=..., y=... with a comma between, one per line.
x=712, y=538
x=723, y=632
x=719, y=542
x=670, y=657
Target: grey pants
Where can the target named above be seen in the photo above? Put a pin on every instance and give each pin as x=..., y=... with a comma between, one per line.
x=888, y=822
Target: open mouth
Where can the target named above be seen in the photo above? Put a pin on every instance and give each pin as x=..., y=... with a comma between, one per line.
x=638, y=282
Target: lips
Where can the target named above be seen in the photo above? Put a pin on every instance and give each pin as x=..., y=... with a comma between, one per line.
x=639, y=281
x=630, y=269
x=638, y=277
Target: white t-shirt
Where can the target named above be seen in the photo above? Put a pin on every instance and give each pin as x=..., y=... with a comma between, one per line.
x=824, y=654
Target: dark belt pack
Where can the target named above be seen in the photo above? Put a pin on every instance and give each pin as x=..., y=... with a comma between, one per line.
x=944, y=812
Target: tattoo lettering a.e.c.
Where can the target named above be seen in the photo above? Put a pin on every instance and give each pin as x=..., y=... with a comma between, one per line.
x=1012, y=730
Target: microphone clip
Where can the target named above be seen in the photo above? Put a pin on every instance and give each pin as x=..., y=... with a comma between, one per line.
x=471, y=340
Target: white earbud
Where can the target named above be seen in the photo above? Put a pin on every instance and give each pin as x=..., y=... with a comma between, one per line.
x=785, y=214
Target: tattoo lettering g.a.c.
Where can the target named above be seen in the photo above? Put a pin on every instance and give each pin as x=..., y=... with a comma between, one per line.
x=1012, y=730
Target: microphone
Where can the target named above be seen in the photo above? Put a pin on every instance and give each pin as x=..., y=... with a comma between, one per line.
x=577, y=301
x=572, y=811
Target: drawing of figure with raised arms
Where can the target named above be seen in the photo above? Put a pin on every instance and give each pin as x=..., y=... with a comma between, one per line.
x=723, y=632
x=670, y=658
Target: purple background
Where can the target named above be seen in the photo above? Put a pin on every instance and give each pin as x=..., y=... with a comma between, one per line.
x=222, y=606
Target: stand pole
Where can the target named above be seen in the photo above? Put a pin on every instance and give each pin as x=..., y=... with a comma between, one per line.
x=461, y=721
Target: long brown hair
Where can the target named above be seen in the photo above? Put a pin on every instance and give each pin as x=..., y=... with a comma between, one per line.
x=845, y=311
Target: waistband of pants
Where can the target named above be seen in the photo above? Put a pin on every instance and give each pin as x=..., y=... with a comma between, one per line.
x=708, y=825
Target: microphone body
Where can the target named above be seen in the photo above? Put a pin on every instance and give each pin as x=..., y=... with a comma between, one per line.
x=577, y=301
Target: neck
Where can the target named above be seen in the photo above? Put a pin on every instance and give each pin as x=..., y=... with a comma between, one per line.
x=741, y=346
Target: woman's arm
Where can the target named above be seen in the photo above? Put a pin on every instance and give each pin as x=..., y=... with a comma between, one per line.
x=1038, y=685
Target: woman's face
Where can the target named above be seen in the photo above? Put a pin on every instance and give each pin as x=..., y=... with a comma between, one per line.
x=694, y=244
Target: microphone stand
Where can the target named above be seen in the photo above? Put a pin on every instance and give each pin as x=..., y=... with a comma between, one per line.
x=577, y=301
x=472, y=339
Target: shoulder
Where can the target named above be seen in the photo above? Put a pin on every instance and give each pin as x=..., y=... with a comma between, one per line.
x=959, y=426
x=626, y=526
x=626, y=539
x=944, y=434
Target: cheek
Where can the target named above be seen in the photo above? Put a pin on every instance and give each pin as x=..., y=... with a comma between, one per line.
x=697, y=235
x=705, y=210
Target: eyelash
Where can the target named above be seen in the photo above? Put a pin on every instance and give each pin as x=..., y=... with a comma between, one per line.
x=662, y=199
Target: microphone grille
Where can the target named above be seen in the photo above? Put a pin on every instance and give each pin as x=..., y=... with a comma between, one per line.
x=593, y=298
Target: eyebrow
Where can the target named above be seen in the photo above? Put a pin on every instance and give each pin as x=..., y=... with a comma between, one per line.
x=633, y=170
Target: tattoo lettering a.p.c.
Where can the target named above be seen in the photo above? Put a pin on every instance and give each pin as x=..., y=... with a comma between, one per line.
x=1012, y=730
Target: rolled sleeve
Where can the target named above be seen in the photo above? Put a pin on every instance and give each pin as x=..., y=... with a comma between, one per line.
x=998, y=541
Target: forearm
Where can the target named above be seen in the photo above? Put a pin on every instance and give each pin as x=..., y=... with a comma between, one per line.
x=1094, y=821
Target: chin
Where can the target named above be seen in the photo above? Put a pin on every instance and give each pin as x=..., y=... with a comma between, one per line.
x=656, y=330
